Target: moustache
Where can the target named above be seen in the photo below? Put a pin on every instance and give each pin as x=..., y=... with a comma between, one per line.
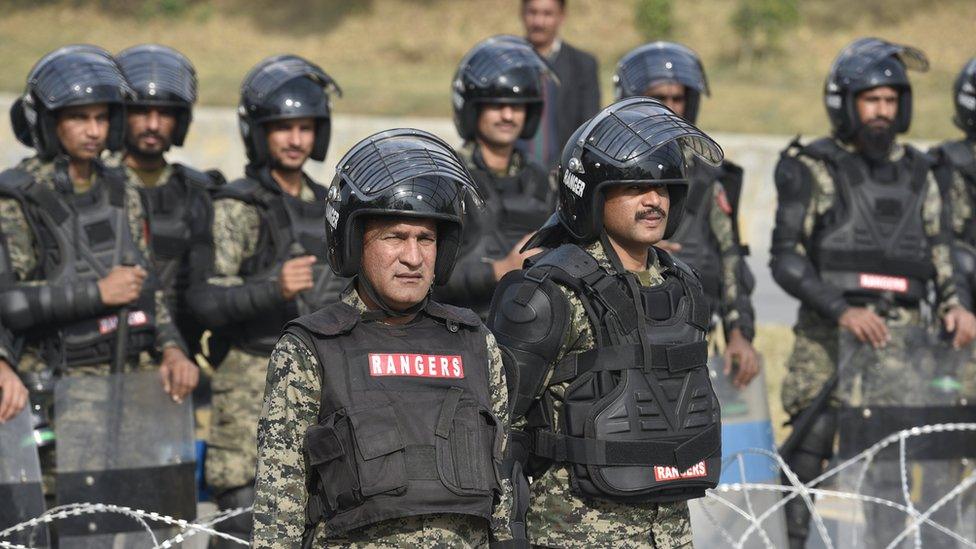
x=880, y=121
x=649, y=213
x=157, y=135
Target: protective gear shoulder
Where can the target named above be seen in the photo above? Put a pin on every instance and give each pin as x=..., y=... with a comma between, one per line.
x=460, y=315
x=529, y=319
x=244, y=189
x=332, y=320
x=201, y=180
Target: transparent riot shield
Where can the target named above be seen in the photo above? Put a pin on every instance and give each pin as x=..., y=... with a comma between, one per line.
x=746, y=431
x=21, y=494
x=121, y=440
x=914, y=489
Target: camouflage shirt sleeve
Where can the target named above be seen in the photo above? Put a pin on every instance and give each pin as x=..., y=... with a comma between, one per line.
x=940, y=244
x=291, y=403
x=19, y=238
x=498, y=391
x=721, y=224
x=236, y=228
x=960, y=203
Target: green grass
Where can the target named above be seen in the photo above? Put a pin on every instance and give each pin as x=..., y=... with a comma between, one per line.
x=397, y=57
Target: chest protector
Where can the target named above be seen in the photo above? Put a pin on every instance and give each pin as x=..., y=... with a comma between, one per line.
x=290, y=227
x=872, y=240
x=514, y=207
x=82, y=237
x=405, y=422
x=639, y=421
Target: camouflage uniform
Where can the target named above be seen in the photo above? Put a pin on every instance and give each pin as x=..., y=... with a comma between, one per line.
x=814, y=357
x=238, y=384
x=291, y=406
x=557, y=517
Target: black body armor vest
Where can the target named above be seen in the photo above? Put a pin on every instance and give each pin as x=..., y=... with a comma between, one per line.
x=180, y=214
x=405, y=422
x=290, y=228
x=872, y=241
x=82, y=236
x=640, y=421
x=959, y=156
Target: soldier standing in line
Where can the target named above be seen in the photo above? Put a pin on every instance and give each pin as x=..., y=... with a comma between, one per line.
x=615, y=420
x=708, y=238
x=385, y=414
x=268, y=263
x=860, y=234
x=498, y=98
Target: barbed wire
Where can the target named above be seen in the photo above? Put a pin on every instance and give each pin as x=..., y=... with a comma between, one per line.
x=795, y=488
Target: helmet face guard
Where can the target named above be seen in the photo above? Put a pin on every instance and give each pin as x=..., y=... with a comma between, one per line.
x=397, y=173
x=964, y=99
x=634, y=141
x=285, y=87
x=70, y=76
x=657, y=62
x=161, y=77
x=500, y=70
x=865, y=64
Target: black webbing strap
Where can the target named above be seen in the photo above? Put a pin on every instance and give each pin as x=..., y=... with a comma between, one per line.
x=674, y=358
x=591, y=451
x=445, y=421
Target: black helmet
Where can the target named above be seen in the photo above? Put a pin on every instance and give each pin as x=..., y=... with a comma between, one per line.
x=865, y=64
x=662, y=62
x=635, y=140
x=402, y=172
x=72, y=75
x=500, y=69
x=161, y=76
x=283, y=87
x=964, y=97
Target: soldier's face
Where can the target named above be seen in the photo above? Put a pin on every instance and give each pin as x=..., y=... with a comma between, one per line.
x=150, y=130
x=636, y=215
x=672, y=94
x=398, y=258
x=83, y=130
x=290, y=142
x=499, y=124
x=878, y=106
x=542, y=19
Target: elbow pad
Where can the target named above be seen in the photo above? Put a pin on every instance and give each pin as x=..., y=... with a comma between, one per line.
x=964, y=265
x=26, y=307
x=529, y=320
x=216, y=306
x=796, y=276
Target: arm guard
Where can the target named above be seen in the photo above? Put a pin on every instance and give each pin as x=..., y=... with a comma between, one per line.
x=217, y=306
x=792, y=270
x=24, y=307
x=746, y=283
x=964, y=265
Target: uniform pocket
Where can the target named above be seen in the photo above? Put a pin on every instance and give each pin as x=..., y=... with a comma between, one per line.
x=467, y=445
x=329, y=444
x=380, y=451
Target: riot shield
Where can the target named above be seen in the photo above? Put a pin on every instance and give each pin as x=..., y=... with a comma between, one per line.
x=21, y=494
x=121, y=440
x=911, y=490
x=746, y=427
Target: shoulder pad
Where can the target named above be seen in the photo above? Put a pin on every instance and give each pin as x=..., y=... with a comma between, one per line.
x=244, y=189
x=460, y=315
x=195, y=177
x=13, y=181
x=959, y=153
x=332, y=320
x=821, y=149
x=917, y=154
x=570, y=258
x=792, y=178
x=216, y=176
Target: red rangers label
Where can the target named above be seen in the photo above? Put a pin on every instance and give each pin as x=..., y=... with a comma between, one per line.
x=415, y=365
x=884, y=283
x=665, y=474
x=111, y=323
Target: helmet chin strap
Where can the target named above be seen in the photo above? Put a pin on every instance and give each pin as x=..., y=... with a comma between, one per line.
x=385, y=311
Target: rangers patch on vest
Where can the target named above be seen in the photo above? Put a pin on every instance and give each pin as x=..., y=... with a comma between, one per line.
x=884, y=283
x=416, y=365
x=574, y=183
x=664, y=474
x=109, y=324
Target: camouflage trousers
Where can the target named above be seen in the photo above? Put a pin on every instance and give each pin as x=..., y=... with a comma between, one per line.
x=238, y=394
x=458, y=531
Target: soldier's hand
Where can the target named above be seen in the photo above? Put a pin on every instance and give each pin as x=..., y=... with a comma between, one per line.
x=179, y=374
x=740, y=351
x=866, y=326
x=514, y=260
x=962, y=325
x=296, y=276
x=122, y=285
x=668, y=246
x=13, y=393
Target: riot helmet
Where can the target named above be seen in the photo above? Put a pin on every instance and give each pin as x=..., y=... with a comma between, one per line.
x=865, y=64
x=73, y=75
x=633, y=141
x=964, y=98
x=284, y=87
x=401, y=172
x=163, y=77
x=657, y=62
x=501, y=69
